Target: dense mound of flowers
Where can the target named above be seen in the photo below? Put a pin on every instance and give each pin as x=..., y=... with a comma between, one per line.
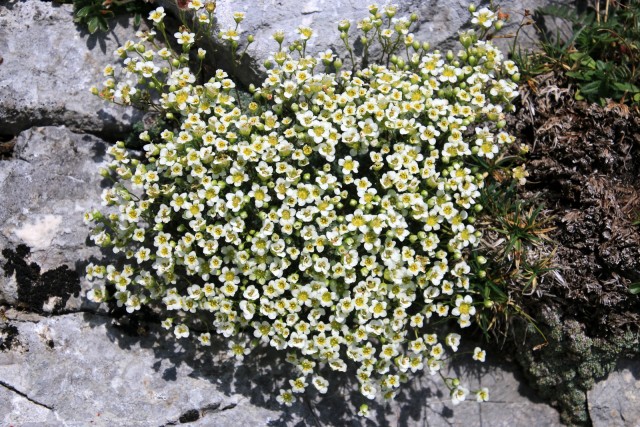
x=331, y=217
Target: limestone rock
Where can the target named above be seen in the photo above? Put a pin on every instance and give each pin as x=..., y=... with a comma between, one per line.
x=81, y=369
x=70, y=369
x=439, y=23
x=615, y=401
x=48, y=185
x=49, y=65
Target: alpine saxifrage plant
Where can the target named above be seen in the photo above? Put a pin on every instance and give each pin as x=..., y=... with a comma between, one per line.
x=332, y=217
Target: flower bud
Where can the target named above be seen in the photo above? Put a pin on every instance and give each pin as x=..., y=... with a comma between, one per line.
x=344, y=25
x=250, y=38
x=472, y=8
x=498, y=25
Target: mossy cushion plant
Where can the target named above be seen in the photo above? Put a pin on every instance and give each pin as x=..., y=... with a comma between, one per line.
x=331, y=218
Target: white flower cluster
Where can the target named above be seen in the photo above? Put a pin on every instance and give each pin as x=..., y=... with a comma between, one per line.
x=328, y=218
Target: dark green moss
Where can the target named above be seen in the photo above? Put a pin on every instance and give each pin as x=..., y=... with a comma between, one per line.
x=567, y=366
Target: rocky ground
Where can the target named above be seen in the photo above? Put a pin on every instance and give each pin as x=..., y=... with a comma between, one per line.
x=65, y=361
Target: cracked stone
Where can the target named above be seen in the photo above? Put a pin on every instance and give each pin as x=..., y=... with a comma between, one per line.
x=96, y=372
x=615, y=400
x=18, y=392
x=34, y=75
x=48, y=185
x=439, y=23
x=23, y=412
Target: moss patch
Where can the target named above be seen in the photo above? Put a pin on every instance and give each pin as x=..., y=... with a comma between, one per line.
x=565, y=367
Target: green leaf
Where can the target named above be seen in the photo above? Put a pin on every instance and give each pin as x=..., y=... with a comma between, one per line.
x=576, y=75
x=626, y=87
x=83, y=12
x=575, y=56
x=591, y=87
x=588, y=62
x=137, y=20
x=634, y=288
x=93, y=24
x=103, y=24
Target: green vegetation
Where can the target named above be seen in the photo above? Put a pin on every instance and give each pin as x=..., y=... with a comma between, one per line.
x=95, y=14
x=602, y=55
x=564, y=365
x=514, y=254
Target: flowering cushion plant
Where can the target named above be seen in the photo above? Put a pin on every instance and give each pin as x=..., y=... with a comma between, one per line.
x=331, y=217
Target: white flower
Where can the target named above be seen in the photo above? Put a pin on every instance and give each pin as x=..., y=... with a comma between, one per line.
x=458, y=395
x=157, y=15
x=482, y=395
x=181, y=331
x=483, y=17
x=185, y=37
x=479, y=354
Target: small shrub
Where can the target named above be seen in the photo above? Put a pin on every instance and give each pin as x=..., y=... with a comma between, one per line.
x=331, y=217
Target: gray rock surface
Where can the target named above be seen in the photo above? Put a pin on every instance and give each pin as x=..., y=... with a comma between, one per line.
x=80, y=369
x=46, y=188
x=615, y=401
x=49, y=65
x=439, y=23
